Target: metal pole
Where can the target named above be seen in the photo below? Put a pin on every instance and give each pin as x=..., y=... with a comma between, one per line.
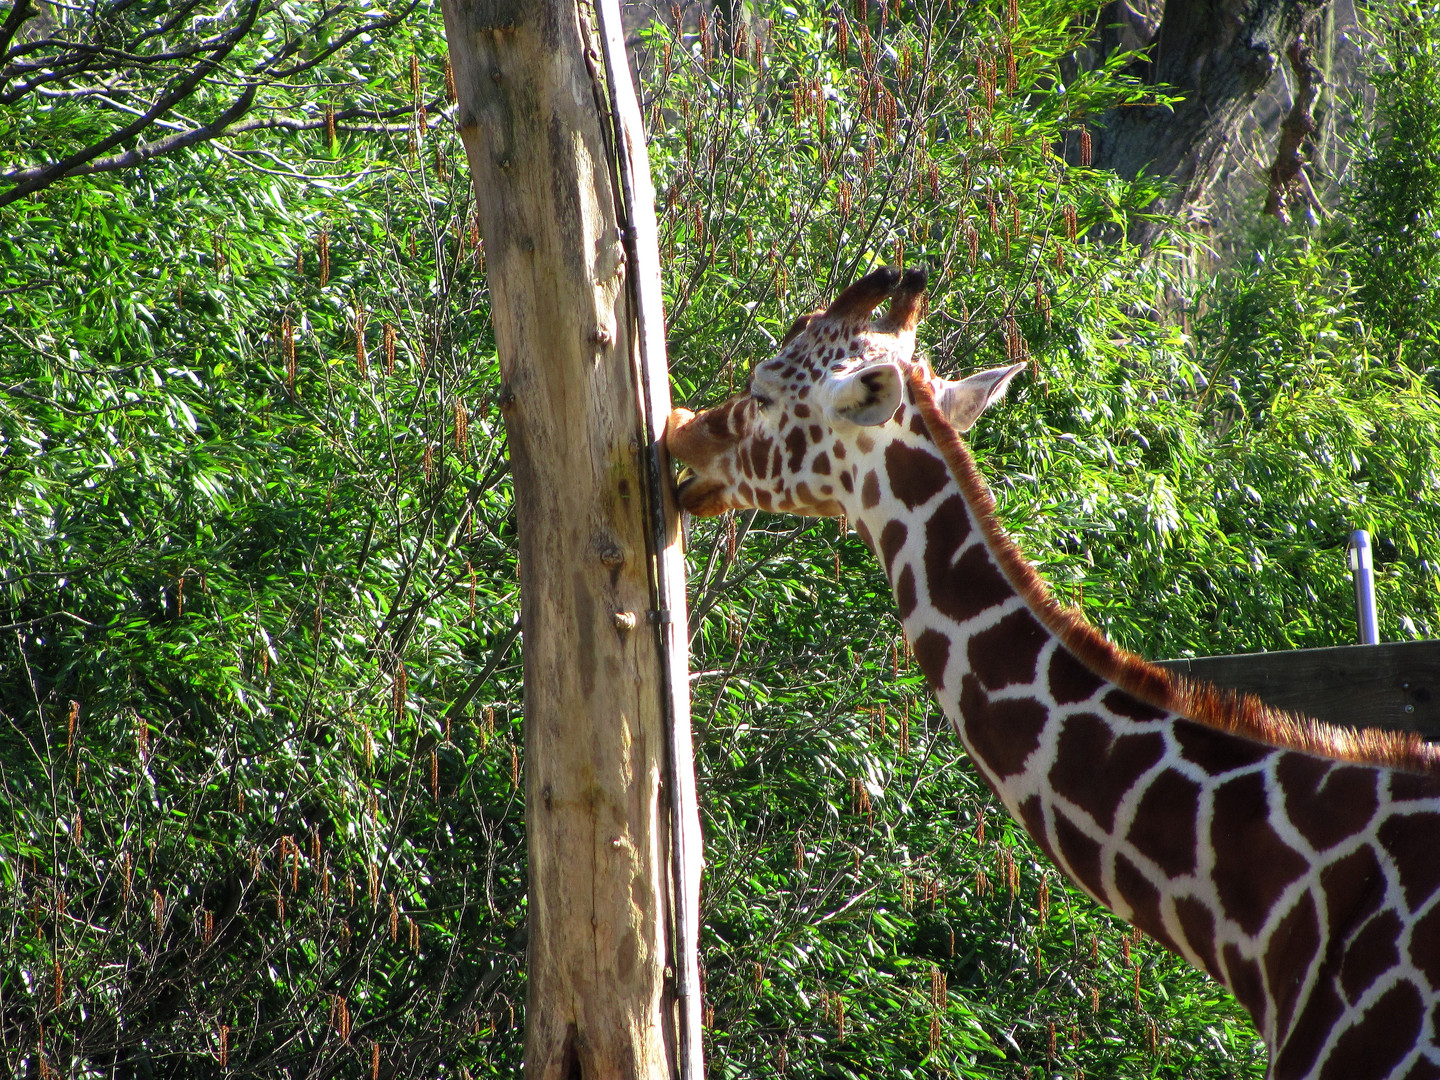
x=1362, y=567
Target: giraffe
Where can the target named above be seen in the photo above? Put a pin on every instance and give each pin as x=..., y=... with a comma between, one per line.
x=1296, y=863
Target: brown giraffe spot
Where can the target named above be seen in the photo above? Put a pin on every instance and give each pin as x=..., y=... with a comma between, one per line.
x=1095, y=770
x=838, y=450
x=948, y=528
x=1410, y=840
x=1407, y=787
x=1369, y=954
x=1197, y=923
x=971, y=586
x=917, y=424
x=1143, y=898
x=1071, y=681
x=1381, y=1039
x=1215, y=751
x=802, y=412
x=916, y=476
x=718, y=423
x=892, y=539
x=1354, y=887
x=1425, y=946
x=1032, y=816
x=796, y=444
x=1080, y=853
x=1325, y=801
x=864, y=443
x=1164, y=825
x=932, y=650
x=1007, y=653
x=1423, y=1069
x=761, y=451
x=1288, y=957
x=905, y=592
x=1118, y=701
x=1298, y=1052
x=864, y=534
x=1245, y=982
x=870, y=490
x=1003, y=733
x=816, y=433
x=803, y=393
x=746, y=492
x=1252, y=864
x=821, y=464
x=847, y=483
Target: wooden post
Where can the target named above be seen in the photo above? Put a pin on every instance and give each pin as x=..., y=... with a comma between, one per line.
x=534, y=114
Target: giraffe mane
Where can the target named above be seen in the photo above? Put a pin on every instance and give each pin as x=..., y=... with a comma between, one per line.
x=1205, y=703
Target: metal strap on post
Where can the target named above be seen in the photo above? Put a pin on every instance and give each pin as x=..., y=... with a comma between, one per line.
x=640, y=238
x=1362, y=568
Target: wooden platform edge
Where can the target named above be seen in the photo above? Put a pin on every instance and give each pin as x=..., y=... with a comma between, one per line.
x=1393, y=685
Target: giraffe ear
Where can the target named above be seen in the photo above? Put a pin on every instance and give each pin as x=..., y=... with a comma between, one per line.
x=869, y=396
x=963, y=400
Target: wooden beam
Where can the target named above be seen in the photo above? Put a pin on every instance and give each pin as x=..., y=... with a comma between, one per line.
x=1391, y=686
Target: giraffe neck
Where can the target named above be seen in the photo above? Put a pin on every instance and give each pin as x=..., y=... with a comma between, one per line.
x=1062, y=743
x=1248, y=858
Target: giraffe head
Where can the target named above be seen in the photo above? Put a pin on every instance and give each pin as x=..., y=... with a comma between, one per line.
x=838, y=387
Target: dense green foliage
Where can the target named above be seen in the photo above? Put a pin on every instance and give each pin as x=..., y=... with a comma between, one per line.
x=1394, y=203
x=257, y=551
x=280, y=816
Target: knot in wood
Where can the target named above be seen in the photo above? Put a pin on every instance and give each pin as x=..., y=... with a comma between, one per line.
x=609, y=553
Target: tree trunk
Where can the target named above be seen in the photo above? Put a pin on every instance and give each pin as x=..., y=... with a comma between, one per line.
x=533, y=116
x=1219, y=54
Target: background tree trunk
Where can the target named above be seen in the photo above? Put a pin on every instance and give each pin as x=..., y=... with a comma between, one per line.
x=531, y=103
x=1219, y=54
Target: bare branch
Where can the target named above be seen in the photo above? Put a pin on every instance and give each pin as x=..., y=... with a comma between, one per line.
x=117, y=72
x=1289, y=186
x=293, y=46
x=221, y=127
x=163, y=104
x=22, y=12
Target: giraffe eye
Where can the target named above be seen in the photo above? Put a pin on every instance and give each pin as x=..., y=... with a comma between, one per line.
x=761, y=400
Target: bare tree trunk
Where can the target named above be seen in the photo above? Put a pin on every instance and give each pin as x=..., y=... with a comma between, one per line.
x=1219, y=54
x=533, y=116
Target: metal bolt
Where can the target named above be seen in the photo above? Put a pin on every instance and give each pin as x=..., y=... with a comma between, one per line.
x=625, y=620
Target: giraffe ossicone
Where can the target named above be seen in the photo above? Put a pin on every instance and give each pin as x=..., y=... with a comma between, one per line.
x=1296, y=863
